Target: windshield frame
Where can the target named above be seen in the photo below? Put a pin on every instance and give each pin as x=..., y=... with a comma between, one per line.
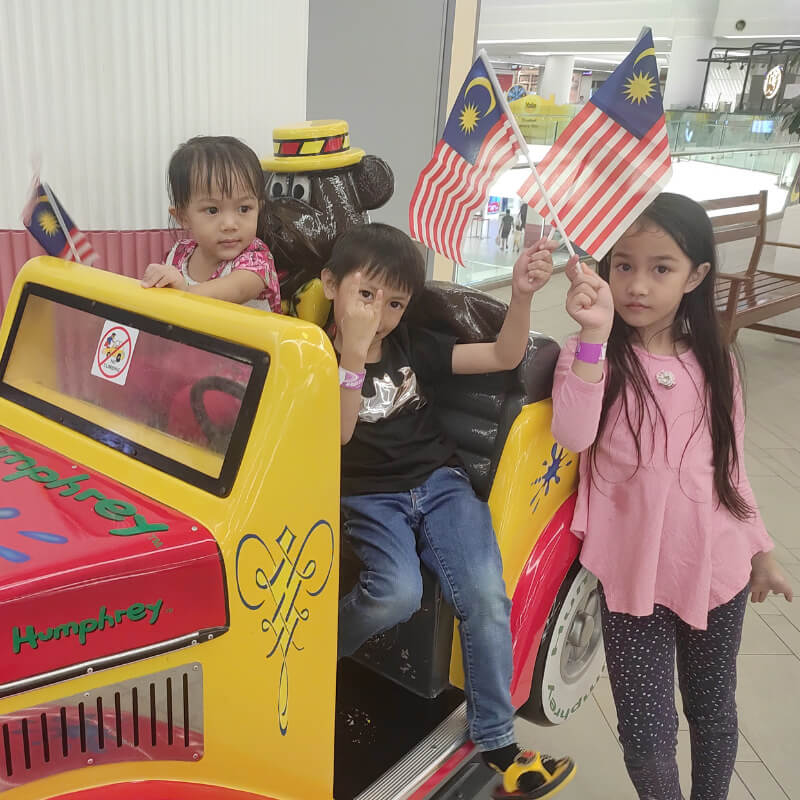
x=257, y=360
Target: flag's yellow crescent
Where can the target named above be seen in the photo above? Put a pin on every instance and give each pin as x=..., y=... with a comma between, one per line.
x=486, y=85
x=651, y=51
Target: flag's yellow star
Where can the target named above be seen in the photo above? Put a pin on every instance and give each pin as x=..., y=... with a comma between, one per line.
x=468, y=118
x=639, y=88
x=48, y=223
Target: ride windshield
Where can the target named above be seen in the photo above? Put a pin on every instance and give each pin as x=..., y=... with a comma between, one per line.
x=180, y=401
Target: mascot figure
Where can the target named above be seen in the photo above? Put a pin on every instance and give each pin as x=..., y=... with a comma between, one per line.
x=317, y=187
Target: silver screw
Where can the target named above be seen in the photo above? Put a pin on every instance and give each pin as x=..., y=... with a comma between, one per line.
x=86, y=694
x=195, y=667
x=89, y=670
x=90, y=761
x=194, y=641
x=195, y=756
x=210, y=636
x=73, y=467
x=194, y=527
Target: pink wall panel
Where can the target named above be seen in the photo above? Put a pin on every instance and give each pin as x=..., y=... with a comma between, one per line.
x=123, y=252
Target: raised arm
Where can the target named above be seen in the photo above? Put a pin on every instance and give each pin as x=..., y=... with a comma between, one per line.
x=578, y=385
x=532, y=270
x=359, y=324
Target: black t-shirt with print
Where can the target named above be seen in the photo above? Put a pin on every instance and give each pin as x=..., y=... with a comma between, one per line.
x=398, y=442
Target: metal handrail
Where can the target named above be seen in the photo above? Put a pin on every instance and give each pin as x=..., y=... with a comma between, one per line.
x=683, y=153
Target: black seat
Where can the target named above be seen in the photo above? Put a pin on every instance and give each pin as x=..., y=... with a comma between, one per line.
x=477, y=412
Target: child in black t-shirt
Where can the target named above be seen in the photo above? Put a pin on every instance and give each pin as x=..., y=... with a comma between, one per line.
x=405, y=496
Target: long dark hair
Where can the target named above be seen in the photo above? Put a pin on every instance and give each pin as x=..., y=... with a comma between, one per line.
x=697, y=325
x=224, y=161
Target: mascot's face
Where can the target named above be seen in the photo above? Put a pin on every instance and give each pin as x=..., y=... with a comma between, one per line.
x=306, y=211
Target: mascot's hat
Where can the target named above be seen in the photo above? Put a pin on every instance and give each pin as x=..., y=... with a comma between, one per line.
x=311, y=146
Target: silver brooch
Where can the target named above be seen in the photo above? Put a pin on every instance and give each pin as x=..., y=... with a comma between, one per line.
x=666, y=379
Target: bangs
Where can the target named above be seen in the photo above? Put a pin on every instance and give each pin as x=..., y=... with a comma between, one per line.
x=206, y=165
x=210, y=175
x=393, y=278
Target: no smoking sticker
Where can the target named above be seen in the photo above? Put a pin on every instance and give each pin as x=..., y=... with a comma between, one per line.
x=114, y=352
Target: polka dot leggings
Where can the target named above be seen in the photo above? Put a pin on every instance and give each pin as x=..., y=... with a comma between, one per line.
x=640, y=654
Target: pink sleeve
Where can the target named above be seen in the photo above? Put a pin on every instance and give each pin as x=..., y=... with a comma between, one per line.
x=742, y=481
x=259, y=260
x=576, y=404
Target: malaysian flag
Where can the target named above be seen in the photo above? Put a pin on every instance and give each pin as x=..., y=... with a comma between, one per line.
x=611, y=160
x=52, y=227
x=478, y=145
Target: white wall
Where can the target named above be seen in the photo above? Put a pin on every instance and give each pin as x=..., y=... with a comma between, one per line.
x=105, y=91
x=761, y=18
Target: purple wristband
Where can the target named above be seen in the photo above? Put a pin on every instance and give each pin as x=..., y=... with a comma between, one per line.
x=351, y=380
x=590, y=353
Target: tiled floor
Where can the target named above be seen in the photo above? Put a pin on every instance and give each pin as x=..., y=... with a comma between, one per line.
x=768, y=765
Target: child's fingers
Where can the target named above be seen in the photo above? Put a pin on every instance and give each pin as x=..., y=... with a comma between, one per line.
x=545, y=244
x=377, y=303
x=788, y=593
x=584, y=299
x=758, y=596
x=588, y=286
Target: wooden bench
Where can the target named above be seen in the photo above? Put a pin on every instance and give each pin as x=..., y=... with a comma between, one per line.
x=749, y=296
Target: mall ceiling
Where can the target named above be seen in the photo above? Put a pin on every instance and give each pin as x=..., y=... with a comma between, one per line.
x=599, y=33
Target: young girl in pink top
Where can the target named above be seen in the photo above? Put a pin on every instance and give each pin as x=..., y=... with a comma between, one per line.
x=666, y=513
x=217, y=191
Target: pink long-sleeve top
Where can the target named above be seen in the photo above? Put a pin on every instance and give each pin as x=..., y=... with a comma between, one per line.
x=657, y=534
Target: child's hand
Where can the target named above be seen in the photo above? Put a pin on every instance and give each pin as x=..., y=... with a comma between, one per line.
x=766, y=576
x=361, y=317
x=533, y=268
x=159, y=275
x=589, y=300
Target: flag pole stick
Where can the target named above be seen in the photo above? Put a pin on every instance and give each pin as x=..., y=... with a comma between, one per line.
x=501, y=98
x=57, y=211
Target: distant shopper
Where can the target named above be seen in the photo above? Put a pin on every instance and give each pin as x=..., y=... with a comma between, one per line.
x=506, y=224
x=519, y=236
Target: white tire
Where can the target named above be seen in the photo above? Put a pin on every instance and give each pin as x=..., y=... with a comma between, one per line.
x=571, y=658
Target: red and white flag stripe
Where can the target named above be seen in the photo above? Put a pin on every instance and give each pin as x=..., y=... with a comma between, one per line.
x=600, y=177
x=86, y=253
x=450, y=189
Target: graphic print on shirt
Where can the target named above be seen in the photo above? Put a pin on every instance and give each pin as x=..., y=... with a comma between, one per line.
x=392, y=394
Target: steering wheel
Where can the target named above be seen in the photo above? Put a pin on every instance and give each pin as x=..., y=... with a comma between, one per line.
x=217, y=435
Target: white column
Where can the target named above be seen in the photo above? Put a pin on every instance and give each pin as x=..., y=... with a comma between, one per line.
x=685, y=74
x=557, y=78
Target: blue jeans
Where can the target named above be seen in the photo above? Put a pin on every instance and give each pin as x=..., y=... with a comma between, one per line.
x=445, y=526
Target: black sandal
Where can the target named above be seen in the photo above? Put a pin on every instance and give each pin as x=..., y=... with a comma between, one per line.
x=554, y=775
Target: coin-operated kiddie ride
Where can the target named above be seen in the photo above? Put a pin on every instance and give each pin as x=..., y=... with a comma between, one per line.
x=169, y=587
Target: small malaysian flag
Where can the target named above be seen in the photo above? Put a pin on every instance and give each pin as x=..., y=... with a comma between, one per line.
x=479, y=144
x=52, y=227
x=612, y=159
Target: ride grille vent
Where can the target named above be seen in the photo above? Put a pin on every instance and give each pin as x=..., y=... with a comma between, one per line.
x=156, y=717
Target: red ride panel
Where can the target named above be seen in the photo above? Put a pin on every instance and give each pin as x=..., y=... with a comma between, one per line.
x=90, y=568
x=554, y=553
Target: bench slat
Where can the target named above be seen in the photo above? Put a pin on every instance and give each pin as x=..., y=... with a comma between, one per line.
x=731, y=202
x=777, y=291
x=740, y=218
x=722, y=235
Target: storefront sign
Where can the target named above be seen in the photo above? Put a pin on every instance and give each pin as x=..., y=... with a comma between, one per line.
x=772, y=82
